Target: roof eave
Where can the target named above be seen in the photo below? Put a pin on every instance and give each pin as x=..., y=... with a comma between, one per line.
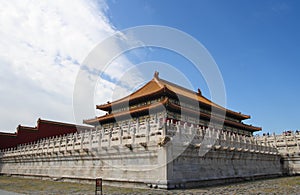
x=100, y=119
x=127, y=101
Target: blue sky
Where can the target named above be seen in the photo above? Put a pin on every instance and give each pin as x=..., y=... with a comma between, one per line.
x=255, y=44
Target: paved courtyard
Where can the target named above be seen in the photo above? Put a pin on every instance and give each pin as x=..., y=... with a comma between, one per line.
x=284, y=185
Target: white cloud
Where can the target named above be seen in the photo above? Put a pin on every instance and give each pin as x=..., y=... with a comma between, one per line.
x=42, y=44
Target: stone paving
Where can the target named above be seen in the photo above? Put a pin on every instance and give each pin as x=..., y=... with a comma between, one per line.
x=283, y=185
x=2, y=192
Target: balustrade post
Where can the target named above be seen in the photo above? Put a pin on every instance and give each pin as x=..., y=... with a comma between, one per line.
x=201, y=132
x=41, y=149
x=137, y=126
x=24, y=149
x=275, y=140
x=54, y=143
x=185, y=127
x=296, y=140
x=147, y=131
x=48, y=144
x=28, y=148
x=75, y=135
x=263, y=145
x=39, y=144
x=231, y=138
x=252, y=147
x=59, y=143
x=132, y=135
x=90, y=140
x=209, y=132
x=129, y=127
x=219, y=132
x=255, y=145
x=166, y=128
x=178, y=129
x=81, y=141
x=120, y=135
x=100, y=139
x=19, y=150
x=214, y=132
x=269, y=147
x=67, y=142
x=109, y=137
x=286, y=145
x=251, y=143
x=239, y=141
x=191, y=129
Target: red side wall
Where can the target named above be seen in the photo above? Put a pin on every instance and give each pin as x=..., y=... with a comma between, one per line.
x=8, y=140
x=49, y=130
x=26, y=135
x=44, y=129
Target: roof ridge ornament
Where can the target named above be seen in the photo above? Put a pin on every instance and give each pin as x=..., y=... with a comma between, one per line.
x=199, y=92
x=156, y=79
x=156, y=75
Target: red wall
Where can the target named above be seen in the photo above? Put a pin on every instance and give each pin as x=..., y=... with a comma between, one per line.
x=49, y=130
x=8, y=140
x=44, y=129
x=26, y=135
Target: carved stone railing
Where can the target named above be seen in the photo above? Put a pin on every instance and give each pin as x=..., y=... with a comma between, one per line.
x=217, y=139
x=142, y=133
x=286, y=143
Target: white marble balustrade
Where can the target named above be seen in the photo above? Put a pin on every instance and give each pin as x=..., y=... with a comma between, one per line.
x=143, y=133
